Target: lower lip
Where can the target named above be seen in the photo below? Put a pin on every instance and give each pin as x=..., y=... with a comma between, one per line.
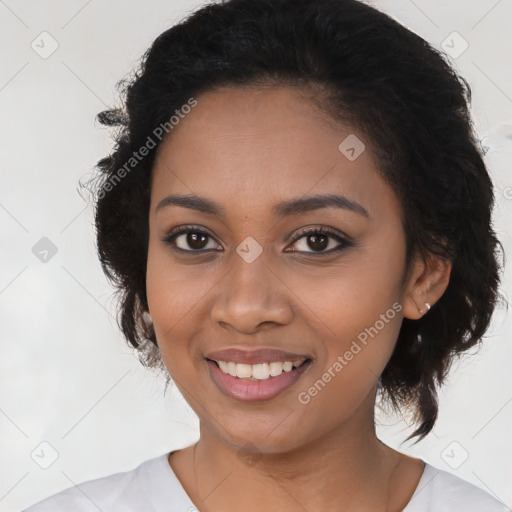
x=254, y=390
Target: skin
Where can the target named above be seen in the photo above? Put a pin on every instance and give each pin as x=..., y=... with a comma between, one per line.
x=248, y=148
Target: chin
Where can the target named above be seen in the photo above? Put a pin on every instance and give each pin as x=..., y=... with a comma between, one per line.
x=270, y=439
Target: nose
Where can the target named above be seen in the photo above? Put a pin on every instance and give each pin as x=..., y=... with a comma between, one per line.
x=252, y=297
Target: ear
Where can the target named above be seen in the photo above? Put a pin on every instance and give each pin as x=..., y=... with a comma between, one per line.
x=428, y=280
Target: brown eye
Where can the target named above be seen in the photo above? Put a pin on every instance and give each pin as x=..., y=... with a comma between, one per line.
x=196, y=240
x=317, y=240
x=190, y=239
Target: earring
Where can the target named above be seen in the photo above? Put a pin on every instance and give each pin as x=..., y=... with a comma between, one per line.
x=427, y=305
x=146, y=316
x=149, y=336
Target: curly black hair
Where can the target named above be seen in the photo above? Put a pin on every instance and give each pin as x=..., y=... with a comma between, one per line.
x=369, y=72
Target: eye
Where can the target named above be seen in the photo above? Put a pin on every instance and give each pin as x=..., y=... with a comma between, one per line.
x=194, y=239
x=320, y=239
x=190, y=239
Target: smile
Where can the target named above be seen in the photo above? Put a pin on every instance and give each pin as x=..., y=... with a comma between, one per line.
x=257, y=375
x=262, y=371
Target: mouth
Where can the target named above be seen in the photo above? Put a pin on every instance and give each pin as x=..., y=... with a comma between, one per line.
x=262, y=380
x=260, y=371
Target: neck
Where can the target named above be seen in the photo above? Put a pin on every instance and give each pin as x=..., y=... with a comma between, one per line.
x=345, y=469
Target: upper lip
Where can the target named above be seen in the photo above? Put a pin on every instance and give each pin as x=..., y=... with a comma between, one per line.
x=261, y=355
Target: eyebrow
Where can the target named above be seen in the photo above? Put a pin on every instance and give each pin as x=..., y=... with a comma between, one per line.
x=281, y=209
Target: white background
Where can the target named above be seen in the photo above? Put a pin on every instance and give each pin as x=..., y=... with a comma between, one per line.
x=67, y=377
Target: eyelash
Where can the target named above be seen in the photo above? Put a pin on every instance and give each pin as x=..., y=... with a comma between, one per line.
x=344, y=242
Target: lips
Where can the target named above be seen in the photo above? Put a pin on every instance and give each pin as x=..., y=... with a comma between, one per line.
x=263, y=355
x=252, y=376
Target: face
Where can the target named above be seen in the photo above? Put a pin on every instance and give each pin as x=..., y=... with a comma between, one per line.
x=250, y=274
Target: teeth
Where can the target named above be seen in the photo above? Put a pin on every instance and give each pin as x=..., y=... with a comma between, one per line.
x=224, y=366
x=243, y=371
x=261, y=371
x=231, y=369
x=275, y=369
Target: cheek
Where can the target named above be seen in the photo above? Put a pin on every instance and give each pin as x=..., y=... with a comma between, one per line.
x=351, y=367
x=357, y=315
x=363, y=292
x=171, y=298
x=174, y=291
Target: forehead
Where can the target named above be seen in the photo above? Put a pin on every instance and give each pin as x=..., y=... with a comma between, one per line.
x=251, y=147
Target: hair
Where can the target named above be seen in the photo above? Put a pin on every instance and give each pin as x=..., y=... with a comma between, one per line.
x=367, y=71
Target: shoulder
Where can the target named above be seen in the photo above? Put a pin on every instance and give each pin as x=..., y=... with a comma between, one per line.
x=441, y=491
x=138, y=489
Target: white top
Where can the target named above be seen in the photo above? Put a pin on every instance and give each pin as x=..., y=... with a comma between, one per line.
x=154, y=487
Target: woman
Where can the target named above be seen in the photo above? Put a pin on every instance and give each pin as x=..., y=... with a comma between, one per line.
x=299, y=220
